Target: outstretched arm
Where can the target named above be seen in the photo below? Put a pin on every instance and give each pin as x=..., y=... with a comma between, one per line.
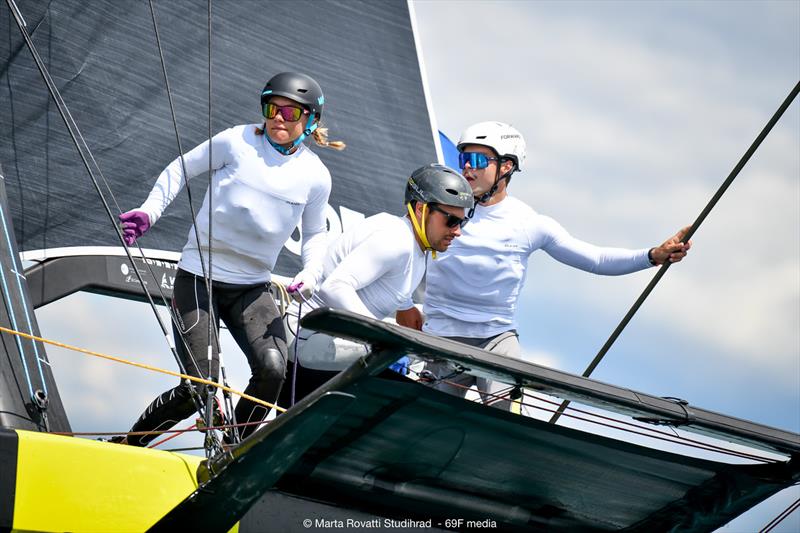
x=565, y=248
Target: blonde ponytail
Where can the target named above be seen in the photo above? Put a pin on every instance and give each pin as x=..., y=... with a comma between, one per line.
x=321, y=138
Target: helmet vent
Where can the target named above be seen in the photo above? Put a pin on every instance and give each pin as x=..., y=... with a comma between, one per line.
x=452, y=191
x=480, y=136
x=302, y=90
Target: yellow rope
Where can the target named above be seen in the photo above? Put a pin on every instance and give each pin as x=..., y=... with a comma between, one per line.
x=142, y=365
x=283, y=297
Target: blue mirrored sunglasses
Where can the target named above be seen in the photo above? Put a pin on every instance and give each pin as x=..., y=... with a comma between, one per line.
x=476, y=160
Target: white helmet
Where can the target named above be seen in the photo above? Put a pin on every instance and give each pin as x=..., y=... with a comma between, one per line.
x=500, y=137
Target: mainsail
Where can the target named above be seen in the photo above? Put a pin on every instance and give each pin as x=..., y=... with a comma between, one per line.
x=105, y=62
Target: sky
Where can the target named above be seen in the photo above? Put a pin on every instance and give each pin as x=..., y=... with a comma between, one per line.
x=634, y=113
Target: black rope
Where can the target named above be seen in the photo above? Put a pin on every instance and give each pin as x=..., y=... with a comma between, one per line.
x=72, y=128
x=212, y=335
x=210, y=332
x=226, y=395
x=296, y=355
x=83, y=150
x=180, y=150
x=62, y=106
x=663, y=270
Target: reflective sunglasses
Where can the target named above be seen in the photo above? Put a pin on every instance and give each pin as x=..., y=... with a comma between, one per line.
x=452, y=221
x=289, y=113
x=476, y=160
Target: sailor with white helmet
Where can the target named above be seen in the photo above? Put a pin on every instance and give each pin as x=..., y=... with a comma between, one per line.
x=373, y=269
x=472, y=291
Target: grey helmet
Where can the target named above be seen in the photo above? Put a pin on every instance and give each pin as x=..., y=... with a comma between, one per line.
x=440, y=185
x=298, y=87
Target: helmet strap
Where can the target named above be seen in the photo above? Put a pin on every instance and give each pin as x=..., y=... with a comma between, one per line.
x=419, y=227
x=488, y=194
x=306, y=132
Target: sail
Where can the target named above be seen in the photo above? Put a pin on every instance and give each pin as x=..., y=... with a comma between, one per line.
x=105, y=62
x=449, y=151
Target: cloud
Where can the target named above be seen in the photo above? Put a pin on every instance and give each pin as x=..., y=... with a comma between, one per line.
x=634, y=114
x=540, y=357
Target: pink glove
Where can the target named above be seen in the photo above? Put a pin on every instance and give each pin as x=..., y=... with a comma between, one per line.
x=302, y=287
x=134, y=225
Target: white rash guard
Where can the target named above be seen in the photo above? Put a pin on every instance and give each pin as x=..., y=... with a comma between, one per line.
x=472, y=289
x=372, y=270
x=260, y=196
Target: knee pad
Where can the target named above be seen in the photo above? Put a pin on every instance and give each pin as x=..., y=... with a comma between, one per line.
x=271, y=365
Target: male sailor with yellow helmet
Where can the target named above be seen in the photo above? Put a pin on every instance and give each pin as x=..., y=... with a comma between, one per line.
x=373, y=269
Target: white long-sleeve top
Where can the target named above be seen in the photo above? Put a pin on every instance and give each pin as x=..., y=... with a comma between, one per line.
x=373, y=268
x=473, y=288
x=259, y=197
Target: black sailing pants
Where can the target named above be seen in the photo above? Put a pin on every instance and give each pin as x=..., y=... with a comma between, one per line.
x=253, y=320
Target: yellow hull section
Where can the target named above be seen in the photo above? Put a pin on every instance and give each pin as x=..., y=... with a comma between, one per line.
x=79, y=485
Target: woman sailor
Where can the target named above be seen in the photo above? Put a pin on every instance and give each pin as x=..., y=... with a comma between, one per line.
x=265, y=182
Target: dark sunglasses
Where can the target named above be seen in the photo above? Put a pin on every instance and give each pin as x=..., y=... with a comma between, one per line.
x=452, y=220
x=476, y=160
x=289, y=113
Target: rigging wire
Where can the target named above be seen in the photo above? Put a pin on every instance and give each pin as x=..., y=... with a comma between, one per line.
x=56, y=94
x=223, y=373
x=60, y=102
x=16, y=271
x=152, y=432
x=180, y=150
x=83, y=150
x=636, y=428
x=213, y=337
x=9, y=305
x=140, y=365
x=701, y=217
x=85, y=154
x=210, y=283
x=781, y=517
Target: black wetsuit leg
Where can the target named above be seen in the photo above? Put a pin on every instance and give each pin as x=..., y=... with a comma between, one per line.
x=256, y=325
x=190, y=305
